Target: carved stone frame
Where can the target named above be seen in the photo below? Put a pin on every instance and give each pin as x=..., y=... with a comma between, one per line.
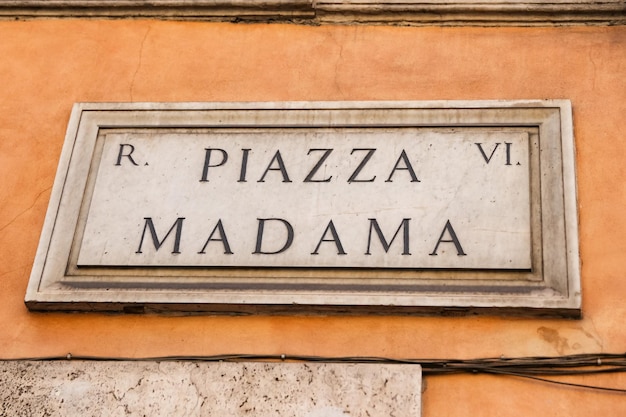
x=550, y=288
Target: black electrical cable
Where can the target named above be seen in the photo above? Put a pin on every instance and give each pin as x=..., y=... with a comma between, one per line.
x=523, y=367
x=552, y=381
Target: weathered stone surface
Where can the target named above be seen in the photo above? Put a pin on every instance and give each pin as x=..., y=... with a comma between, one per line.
x=231, y=198
x=95, y=388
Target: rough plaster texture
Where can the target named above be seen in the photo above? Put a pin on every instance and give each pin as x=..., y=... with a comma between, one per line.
x=86, y=388
x=49, y=65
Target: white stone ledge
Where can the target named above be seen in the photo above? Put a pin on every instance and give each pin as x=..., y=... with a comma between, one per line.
x=391, y=12
x=102, y=388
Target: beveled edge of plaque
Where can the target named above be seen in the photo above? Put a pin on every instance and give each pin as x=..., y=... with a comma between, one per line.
x=50, y=290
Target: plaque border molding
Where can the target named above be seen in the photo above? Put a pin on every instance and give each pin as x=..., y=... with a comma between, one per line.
x=551, y=289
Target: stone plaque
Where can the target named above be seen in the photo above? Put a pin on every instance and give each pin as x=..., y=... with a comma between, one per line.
x=279, y=207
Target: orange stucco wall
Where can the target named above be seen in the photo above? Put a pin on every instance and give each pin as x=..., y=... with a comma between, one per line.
x=46, y=66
